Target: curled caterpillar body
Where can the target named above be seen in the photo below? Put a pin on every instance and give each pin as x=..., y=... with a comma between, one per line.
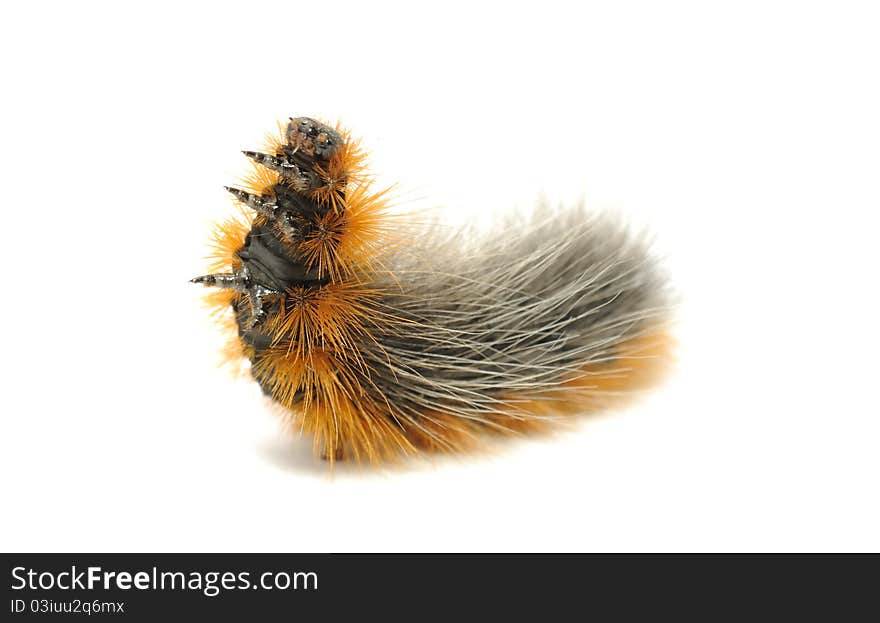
x=379, y=350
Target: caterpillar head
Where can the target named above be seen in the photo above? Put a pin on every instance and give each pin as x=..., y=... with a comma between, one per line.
x=313, y=138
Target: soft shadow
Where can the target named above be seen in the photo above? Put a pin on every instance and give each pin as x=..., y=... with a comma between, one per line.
x=296, y=455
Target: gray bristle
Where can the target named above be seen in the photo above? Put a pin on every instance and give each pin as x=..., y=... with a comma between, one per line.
x=514, y=314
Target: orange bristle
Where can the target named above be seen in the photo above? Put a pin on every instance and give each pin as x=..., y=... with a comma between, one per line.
x=331, y=317
x=325, y=398
x=227, y=237
x=259, y=180
x=351, y=241
x=347, y=167
x=274, y=140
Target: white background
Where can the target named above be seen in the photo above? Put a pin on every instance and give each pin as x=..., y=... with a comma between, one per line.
x=744, y=134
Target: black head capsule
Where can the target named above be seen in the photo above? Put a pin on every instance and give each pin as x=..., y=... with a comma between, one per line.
x=313, y=138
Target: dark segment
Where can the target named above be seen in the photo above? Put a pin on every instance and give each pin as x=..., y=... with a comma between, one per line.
x=295, y=203
x=271, y=263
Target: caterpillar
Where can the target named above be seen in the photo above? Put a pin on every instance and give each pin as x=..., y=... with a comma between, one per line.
x=381, y=340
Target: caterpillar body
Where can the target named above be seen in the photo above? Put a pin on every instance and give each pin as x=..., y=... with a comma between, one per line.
x=380, y=345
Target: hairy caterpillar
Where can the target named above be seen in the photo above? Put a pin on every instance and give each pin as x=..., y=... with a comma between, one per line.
x=380, y=345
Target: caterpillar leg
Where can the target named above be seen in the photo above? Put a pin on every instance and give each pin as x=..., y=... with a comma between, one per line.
x=234, y=281
x=300, y=178
x=263, y=205
x=240, y=281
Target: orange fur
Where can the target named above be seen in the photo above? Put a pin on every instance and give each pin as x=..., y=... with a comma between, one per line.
x=227, y=238
x=332, y=317
x=352, y=240
x=274, y=139
x=325, y=399
x=259, y=180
